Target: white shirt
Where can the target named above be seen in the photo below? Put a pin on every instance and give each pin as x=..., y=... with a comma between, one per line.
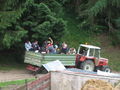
x=28, y=46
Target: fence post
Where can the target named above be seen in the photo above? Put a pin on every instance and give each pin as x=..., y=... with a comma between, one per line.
x=26, y=84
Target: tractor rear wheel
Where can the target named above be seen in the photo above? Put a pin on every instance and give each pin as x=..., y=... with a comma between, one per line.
x=106, y=69
x=88, y=65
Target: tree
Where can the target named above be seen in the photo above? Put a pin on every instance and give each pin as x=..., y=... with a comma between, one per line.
x=29, y=20
x=98, y=16
x=41, y=23
x=10, y=31
x=105, y=13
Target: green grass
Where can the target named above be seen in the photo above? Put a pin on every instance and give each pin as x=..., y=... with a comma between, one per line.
x=8, y=61
x=74, y=36
x=110, y=52
x=114, y=57
x=17, y=82
x=12, y=66
x=114, y=60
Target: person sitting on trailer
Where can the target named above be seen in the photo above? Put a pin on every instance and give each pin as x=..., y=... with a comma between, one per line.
x=43, y=48
x=50, y=48
x=36, y=46
x=28, y=46
x=72, y=51
x=64, y=49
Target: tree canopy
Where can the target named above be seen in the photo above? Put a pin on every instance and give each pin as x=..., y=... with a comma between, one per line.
x=98, y=16
x=21, y=20
x=39, y=19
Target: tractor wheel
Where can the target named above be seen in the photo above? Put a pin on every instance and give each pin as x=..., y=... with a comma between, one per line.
x=106, y=69
x=88, y=65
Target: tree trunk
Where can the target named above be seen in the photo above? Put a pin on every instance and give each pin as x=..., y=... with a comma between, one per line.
x=77, y=4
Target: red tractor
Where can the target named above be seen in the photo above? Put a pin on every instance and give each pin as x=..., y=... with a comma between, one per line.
x=88, y=58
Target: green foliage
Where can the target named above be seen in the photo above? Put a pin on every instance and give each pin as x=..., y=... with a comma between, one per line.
x=63, y=1
x=29, y=20
x=98, y=15
x=117, y=22
x=97, y=8
x=41, y=23
x=10, y=31
x=42, y=30
x=59, y=29
x=115, y=3
x=11, y=4
x=55, y=7
x=75, y=35
x=84, y=25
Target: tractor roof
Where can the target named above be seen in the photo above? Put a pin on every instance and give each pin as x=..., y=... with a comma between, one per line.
x=90, y=46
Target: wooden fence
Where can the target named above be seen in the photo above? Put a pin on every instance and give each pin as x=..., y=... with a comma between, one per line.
x=42, y=83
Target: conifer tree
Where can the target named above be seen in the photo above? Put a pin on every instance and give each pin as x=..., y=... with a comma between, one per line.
x=26, y=19
x=10, y=31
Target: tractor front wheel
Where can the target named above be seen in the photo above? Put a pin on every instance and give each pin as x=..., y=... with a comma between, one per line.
x=106, y=69
x=88, y=65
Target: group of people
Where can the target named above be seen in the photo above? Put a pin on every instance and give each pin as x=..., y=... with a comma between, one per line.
x=32, y=46
x=49, y=48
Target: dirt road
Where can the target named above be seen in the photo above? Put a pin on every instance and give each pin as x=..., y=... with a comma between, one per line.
x=15, y=75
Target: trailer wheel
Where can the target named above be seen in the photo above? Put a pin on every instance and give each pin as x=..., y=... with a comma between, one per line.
x=88, y=65
x=106, y=69
x=43, y=70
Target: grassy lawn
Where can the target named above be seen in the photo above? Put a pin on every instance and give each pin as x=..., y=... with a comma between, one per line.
x=17, y=82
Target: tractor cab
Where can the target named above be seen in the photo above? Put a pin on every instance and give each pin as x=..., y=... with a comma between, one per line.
x=88, y=58
x=89, y=51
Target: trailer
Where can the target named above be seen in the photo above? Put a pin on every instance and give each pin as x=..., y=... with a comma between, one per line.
x=36, y=60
